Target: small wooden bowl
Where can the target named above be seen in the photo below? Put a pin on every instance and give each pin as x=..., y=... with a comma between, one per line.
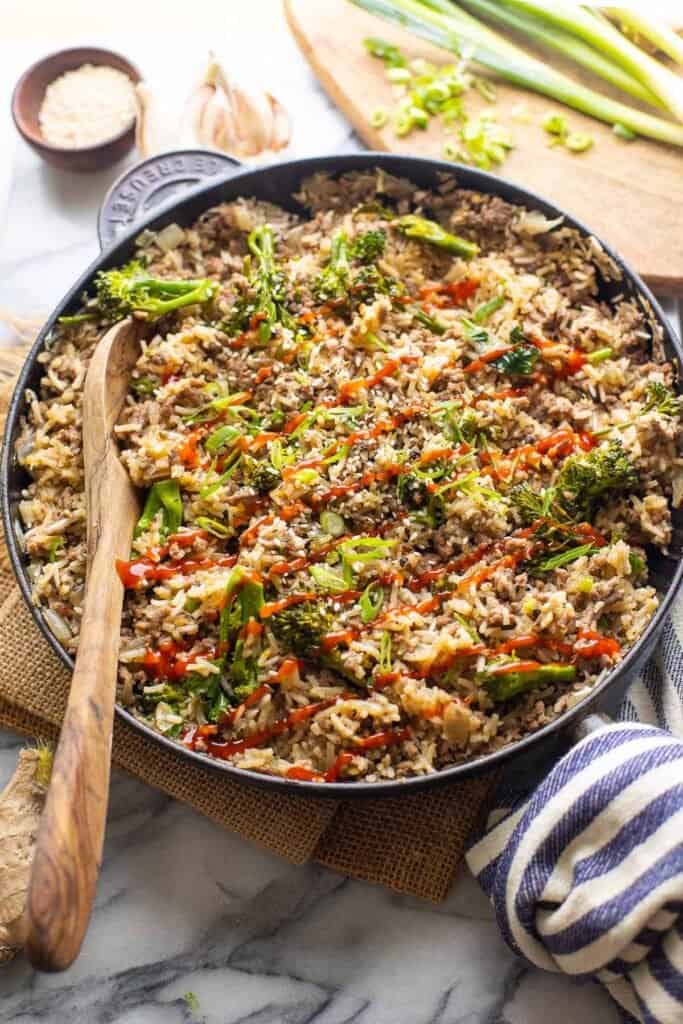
x=28, y=95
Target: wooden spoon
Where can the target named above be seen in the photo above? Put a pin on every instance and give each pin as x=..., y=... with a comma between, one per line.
x=69, y=843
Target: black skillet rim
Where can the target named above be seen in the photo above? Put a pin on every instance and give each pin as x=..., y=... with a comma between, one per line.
x=469, y=179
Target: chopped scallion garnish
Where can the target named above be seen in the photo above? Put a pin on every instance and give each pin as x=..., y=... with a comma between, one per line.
x=371, y=601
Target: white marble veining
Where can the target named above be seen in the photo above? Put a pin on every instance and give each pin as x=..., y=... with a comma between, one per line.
x=182, y=905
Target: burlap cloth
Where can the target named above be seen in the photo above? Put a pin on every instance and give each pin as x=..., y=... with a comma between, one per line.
x=412, y=844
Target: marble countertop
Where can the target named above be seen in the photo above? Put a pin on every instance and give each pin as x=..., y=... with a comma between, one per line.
x=183, y=906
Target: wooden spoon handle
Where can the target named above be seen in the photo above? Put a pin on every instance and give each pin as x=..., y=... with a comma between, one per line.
x=69, y=842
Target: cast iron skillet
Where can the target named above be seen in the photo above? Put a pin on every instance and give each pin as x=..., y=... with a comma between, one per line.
x=133, y=195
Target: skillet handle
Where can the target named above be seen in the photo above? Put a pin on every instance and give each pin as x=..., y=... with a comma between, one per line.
x=153, y=182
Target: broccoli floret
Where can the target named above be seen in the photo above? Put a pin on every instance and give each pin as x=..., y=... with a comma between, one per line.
x=268, y=284
x=583, y=479
x=265, y=478
x=331, y=284
x=369, y=247
x=429, y=231
x=534, y=505
x=243, y=673
x=130, y=289
x=336, y=283
x=412, y=491
x=462, y=425
x=504, y=682
x=581, y=482
x=301, y=627
x=659, y=398
x=369, y=282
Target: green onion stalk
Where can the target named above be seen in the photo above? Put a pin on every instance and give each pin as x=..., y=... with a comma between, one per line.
x=605, y=38
x=448, y=26
x=571, y=47
x=652, y=29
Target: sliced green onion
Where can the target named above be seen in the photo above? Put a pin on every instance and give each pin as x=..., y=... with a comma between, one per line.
x=222, y=437
x=566, y=557
x=469, y=629
x=233, y=462
x=484, y=311
x=78, y=318
x=486, y=142
x=306, y=477
x=399, y=76
x=55, y=548
x=379, y=117
x=365, y=549
x=328, y=579
x=585, y=585
x=144, y=385
x=338, y=456
x=556, y=124
x=473, y=332
x=164, y=497
x=460, y=484
x=419, y=118
x=213, y=526
x=333, y=524
x=578, y=142
x=445, y=24
x=371, y=601
x=385, y=51
x=637, y=563
x=600, y=355
x=280, y=458
x=385, y=659
x=434, y=325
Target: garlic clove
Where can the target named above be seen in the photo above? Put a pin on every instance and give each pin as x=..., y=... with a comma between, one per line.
x=226, y=136
x=154, y=127
x=282, y=124
x=211, y=128
x=253, y=118
x=221, y=114
x=191, y=123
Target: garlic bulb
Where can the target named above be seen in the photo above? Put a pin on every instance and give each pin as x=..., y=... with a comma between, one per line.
x=220, y=113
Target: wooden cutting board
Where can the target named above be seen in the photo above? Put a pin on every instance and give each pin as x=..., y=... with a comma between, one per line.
x=629, y=193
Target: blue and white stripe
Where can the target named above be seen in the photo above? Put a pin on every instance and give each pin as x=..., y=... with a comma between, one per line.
x=586, y=874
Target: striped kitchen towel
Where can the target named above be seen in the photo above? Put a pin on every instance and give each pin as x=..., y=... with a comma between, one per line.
x=586, y=874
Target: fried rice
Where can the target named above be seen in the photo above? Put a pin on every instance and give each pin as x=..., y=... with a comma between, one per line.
x=339, y=576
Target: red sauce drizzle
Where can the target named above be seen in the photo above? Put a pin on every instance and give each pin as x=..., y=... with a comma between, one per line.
x=273, y=607
x=145, y=570
x=351, y=387
x=257, y=739
x=451, y=293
